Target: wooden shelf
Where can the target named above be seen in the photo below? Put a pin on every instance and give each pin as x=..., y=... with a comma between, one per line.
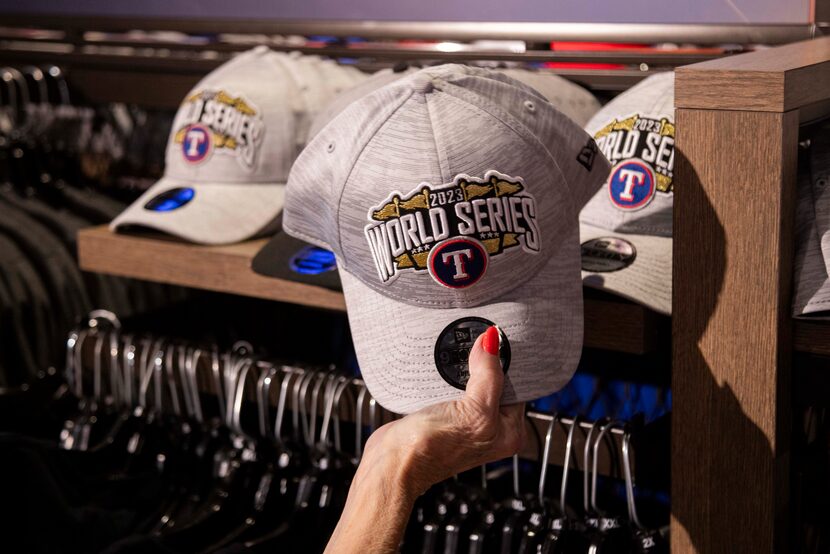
x=611, y=323
x=217, y=268
x=812, y=337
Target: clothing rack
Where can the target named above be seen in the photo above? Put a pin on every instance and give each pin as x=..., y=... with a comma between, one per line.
x=733, y=338
x=104, y=368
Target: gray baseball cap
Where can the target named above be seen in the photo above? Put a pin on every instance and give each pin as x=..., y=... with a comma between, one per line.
x=231, y=147
x=278, y=257
x=626, y=228
x=811, y=298
x=450, y=199
x=566, y=96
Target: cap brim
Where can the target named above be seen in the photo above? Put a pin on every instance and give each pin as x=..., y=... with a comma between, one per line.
x=542, y=320
x=286, y=257
x=647, y=280
x=218, y=213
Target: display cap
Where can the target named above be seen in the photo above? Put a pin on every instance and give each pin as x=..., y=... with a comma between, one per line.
x=812, y=257
x=231, y=147
x=566, y=96
x=626, y=228
x=276, y=258
x=450, y=199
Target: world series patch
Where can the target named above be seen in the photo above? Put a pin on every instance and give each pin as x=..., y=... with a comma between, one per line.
x=641, y=150
x=218, y=122
x=452, y=230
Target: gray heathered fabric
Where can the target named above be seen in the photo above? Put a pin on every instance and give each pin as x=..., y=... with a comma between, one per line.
x=566, y=96
x=426, y=129
x=811, y=296
x=648, y=280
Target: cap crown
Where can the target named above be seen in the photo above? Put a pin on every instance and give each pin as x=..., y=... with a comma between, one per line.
x=239, y=124
x=450, y=152
x=635, y=131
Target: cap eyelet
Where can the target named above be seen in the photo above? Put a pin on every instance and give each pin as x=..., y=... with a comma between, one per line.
x=330, y=147
x=529, y=106
x=821, y=183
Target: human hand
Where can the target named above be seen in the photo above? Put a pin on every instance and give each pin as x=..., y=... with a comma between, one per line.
x=442, y=440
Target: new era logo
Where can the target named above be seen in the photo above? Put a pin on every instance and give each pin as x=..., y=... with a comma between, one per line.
x=587, y=154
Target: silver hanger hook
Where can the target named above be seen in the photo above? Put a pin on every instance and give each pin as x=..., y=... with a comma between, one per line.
x=128, y=370
x=345, y=386
x=182, y=353
x=586, y=465
x=96, y=367
x=310, y=416
x=298, y=403
x=145, y=369
x=40, y=81
x=543, y=474
x=116, y=374
x=57, y=75
x=594, y=468
x=289, y=373
x=191, y=369
x=216, y=371
x=263, y=386
x=11, y=88
x=629, y=479
x=566, y=465
x=172, y=388
x=336, y=384
x=241, y=377
x=358, y=418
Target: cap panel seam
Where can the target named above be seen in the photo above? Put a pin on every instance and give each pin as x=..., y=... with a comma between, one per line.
x=443, y=162
x=459, y=93
x=359, y=155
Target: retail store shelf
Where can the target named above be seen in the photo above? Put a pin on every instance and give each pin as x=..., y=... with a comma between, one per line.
x=812, y=337
x=610, y=323
x=217, y=268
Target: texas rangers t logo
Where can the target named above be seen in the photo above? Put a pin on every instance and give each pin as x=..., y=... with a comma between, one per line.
x=458, y=263
x=196, y=143
x=632, y=185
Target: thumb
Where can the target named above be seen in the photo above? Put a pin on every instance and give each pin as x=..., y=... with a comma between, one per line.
x=486, y=377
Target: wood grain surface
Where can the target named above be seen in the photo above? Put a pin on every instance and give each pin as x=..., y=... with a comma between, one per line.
x=775, y=80
x=733, y=242
x=216, y=268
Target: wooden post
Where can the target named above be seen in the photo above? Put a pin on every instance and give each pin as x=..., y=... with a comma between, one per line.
x=737, y=139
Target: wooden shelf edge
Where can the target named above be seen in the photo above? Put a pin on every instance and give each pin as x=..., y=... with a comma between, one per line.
x=610, y=323
x=811, y=337
x=777, y=80
x=216, y=268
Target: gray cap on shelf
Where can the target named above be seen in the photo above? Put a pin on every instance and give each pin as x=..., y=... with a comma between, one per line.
x=626, y=229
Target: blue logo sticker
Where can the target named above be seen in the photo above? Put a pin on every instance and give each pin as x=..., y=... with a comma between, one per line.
x=312, y=260
x=196, y=143
x=170, y=200
x=632, y=185
x=458, y=263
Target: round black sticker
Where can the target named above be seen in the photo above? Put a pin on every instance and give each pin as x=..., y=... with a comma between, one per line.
x=605, y=254
x=452, y=349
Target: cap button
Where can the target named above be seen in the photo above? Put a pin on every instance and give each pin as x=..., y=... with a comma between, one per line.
x=261, y=49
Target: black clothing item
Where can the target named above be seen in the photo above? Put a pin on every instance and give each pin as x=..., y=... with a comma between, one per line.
x=92, y=205
x=106, y=291
x=27, y=332
x=58, y=505
x=56, y=268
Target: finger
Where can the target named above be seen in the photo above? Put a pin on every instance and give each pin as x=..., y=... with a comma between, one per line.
x=486, y=377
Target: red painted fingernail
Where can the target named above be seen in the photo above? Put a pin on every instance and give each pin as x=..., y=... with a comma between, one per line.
x=490, y=342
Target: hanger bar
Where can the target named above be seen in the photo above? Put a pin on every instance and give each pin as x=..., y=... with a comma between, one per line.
x=650, y=33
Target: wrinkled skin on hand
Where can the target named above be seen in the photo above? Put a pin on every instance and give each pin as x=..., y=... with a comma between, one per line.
x=442, y=440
